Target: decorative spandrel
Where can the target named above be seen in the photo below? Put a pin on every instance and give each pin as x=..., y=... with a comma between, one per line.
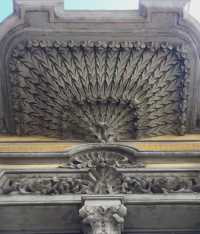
x=98, y=91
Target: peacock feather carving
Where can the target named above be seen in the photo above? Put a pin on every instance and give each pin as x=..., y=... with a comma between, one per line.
x=98, y=91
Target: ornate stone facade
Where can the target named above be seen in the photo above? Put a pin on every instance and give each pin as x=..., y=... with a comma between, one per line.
x=101, y=181
x=92, y=157
x=100, y=169
x=99, y=91
x=103, y=79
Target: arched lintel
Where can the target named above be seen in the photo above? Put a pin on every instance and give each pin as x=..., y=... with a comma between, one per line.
x=118, y=148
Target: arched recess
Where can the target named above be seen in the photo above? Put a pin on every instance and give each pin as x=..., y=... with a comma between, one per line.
x=105, y=76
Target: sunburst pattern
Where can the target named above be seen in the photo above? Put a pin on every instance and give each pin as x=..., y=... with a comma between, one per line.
x=98, y=91
x=92, y=158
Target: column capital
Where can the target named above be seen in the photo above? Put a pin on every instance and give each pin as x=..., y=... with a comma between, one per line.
x=103, y=216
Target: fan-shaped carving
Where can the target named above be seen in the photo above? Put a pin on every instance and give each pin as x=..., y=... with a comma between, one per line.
x=102, y=180
x=92, y=158
x=98, y=91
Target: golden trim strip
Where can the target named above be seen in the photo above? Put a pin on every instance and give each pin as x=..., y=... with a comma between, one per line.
x=41, y=144
x=61, y=147
x=147, y=166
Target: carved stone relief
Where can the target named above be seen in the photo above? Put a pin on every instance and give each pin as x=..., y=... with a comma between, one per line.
x=101, y=180
x=102, y=176
x=103, y=218
x=98, y=174
x=100, y=169
x=91, y=158
x=40, y=185
x=98, y=91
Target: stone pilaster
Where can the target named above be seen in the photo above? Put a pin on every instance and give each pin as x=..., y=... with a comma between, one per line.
x=103, y=215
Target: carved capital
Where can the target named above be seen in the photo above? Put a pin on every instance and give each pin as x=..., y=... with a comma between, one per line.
x=103, y=216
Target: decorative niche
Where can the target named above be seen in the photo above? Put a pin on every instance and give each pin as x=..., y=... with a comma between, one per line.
x=101, y=77
x=98, y=90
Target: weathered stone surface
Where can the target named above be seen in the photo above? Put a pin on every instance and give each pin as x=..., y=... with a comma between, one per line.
x=136, y=78
x=98, y=91
x=103, y=215
x=100, y=154
x=163, y=214
x=100, y=77
x=100, y=180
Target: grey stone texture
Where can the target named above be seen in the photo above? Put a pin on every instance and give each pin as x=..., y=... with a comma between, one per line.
x=137, y=69
x=101, y=77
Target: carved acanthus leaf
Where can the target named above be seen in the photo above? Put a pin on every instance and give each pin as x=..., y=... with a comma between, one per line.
x=95, y=213
x=104, y=219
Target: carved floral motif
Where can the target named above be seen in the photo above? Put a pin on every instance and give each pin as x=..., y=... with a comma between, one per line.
x=92, y=158
x=98, y=91
x=43, y=186
x=98, y=181
x=103, y=180
x=160, y=184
